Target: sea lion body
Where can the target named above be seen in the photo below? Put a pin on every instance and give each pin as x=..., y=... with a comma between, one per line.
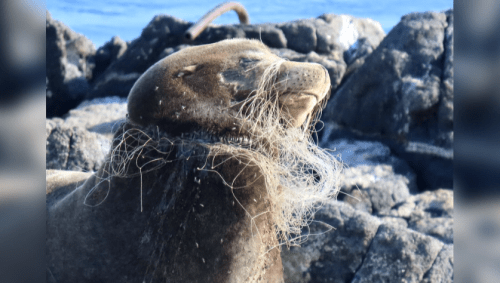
x=164, y=207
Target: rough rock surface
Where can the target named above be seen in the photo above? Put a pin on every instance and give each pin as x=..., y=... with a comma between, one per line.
x=100, y=115
x=342, y=248
x=81, y=141
x=374, y=189
x=365, y=248
x=74, y=148
x=403, y=93
x=68, y=67
x=355, y=152
x=162, y=32
x=430, y=213
x=107, y=54
x=398, y=255
x=442, y=269
x=397, y=91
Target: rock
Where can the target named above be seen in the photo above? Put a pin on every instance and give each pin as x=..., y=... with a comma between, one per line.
x=442, y=269
x=81, y=140
x=215, y=33
x=74, y=148
x=107, y=54
x=364, y=248
x=331, y=255
x=356, y=54
x=100, y=115
x=301, y=35
x=398, y=255
x=373, y=189
x=68, y=67
x=355, y=152
x=430, y=213
x=163, y=31
x=398, y=92
x=346, y=32
x=269, y=34
x=335, y=66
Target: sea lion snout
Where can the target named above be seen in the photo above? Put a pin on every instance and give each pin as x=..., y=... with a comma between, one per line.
x=304, y=86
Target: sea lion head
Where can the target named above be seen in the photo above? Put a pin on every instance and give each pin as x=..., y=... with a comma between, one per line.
x=209, y=87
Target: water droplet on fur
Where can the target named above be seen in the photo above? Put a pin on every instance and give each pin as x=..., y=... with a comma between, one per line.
x=197, y=246
x=255, y=200
x=156, y=88
x=221, y=240
x=202, y=205
x=159, y=102
x=203, y=260
x=183, y=107
x=177, y=114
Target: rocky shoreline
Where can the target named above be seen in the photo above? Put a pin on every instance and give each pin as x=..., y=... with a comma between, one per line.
x=390, y=117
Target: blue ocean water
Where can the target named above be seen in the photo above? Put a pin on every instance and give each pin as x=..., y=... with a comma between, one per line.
x=101, y=20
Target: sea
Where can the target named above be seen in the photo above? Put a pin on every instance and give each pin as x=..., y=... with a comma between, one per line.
x=101, y=20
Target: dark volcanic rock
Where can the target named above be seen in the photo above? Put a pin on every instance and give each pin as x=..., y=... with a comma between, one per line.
x=398, y=255
x=354, y=153
x=331, y=255
x=442, y=269
x=269, y=34
x=365, y=248
x=68, y=67
x=74, y=149
x=301, y=35
x=374, y=189
x=344, y=31
x=403, y=92
x=397, y=91
x=163, y=31
x=217, y=33
x=430, y=213
x=107, y=54
x=81, y=141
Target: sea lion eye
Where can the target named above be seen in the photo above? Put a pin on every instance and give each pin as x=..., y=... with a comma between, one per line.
x=248, y=61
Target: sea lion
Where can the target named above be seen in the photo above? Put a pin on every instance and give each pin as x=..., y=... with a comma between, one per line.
x=213, y=170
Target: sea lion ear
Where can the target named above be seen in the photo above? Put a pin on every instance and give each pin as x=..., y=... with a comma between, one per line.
x=186, y=71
